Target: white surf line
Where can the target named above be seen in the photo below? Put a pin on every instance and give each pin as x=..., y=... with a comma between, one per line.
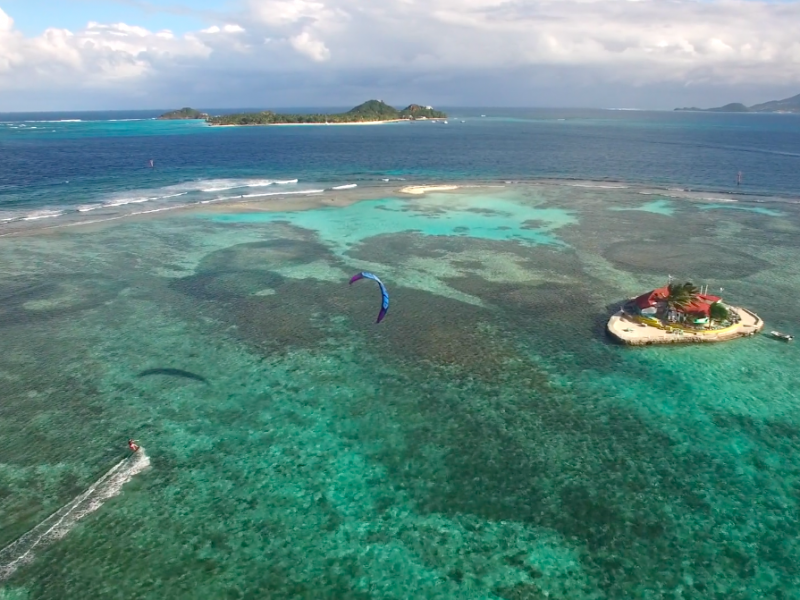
x=155, y=210
x=61, y=522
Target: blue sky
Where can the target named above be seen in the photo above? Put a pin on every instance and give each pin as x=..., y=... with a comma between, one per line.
x=106, y=54
x=34, y=16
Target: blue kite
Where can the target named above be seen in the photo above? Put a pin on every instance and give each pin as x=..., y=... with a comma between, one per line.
x=384, y=293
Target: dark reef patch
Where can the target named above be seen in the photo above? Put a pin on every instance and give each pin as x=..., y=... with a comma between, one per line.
x=226, y=285
x=488, y=212
x=698, y=260
x=33, y=299
x=240, y=271
x=534, y=224
x=261, y=256
x=567, y=460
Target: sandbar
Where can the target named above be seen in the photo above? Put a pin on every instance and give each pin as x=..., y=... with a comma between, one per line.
x=422, y=189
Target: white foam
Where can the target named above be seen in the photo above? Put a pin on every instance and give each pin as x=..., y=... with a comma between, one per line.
x=221, y=188
x=124, y=201
x=61, y=522
x=600, y=186
x=686, y=195
x=155, y=210
x=42, y=214
x=345, y=187
x=88, y=207
x=221, y=185
x=282, y=193
x=170, y=196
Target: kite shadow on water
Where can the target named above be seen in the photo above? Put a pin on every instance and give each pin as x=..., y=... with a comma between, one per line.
x=174, y=373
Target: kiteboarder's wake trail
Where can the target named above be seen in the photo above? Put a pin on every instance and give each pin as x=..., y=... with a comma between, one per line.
x=64, y=519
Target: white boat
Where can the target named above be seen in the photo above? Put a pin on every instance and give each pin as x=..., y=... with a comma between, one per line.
x=781, y=336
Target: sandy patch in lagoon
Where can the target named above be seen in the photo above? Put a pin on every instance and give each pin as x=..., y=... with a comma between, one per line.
x=421, y=189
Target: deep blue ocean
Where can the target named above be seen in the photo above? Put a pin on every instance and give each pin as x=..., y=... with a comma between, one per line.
x=486, y=441
x=62, y=160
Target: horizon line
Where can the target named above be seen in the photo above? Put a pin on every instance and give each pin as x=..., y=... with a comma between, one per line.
x=328, y=107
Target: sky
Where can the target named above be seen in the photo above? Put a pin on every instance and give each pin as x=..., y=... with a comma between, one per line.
x=162, y=54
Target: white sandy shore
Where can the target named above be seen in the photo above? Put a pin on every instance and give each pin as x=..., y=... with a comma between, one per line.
x=635, y=332
x=320, y=124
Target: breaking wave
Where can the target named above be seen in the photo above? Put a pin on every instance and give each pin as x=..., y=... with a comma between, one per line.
x=227, y=184
x=42, y=214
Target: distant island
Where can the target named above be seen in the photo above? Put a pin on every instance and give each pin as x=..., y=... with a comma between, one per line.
x=372, y=111
x=182, y=114
x=788, y=105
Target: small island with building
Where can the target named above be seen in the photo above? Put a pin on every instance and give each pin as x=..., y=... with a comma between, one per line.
x=372, y=111
x=680, y=313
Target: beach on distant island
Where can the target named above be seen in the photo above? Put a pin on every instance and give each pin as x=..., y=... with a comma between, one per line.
x=320, y=124
x=367, y=113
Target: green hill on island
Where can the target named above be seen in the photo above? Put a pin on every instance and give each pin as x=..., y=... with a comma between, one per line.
x=787, y=105
x=370, y=111
x=183, y=113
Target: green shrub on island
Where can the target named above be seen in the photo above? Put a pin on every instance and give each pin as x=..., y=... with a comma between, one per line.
x=718, y=312
x=370, y=111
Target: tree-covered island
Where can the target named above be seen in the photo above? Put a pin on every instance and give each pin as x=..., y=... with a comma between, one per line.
x=183, y=114
x=369, y=112
x=787, y=105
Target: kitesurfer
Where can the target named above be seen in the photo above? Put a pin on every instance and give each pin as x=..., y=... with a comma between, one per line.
x=132, y=445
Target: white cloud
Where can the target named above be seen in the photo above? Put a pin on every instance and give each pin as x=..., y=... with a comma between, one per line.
x=611, y=42
x=100, y=55
x=314, y=49
x=226, y=28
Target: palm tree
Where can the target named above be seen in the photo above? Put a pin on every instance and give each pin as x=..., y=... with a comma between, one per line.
x=691, y=289
x=681, y=295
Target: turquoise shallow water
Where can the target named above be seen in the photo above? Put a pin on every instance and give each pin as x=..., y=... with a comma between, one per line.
x=484, y=441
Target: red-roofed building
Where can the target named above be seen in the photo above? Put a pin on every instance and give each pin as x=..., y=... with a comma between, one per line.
x=651, y=299
x=700, y=305
x=656, y=299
